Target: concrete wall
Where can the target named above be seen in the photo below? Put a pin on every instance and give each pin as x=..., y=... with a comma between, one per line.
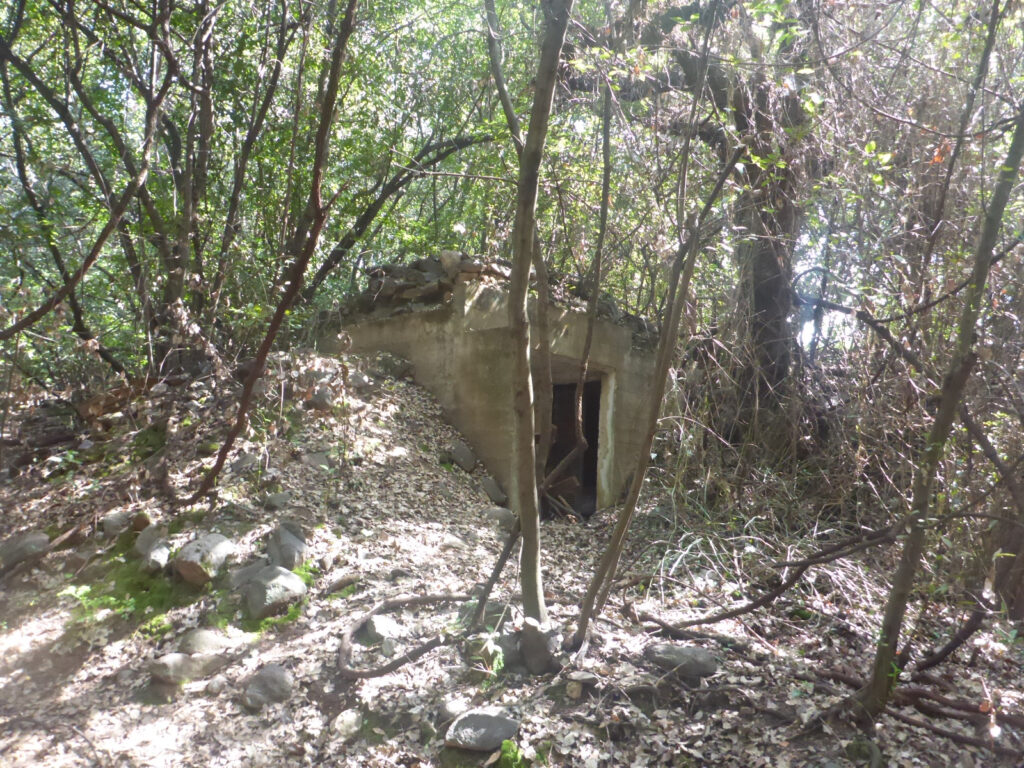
x=461, y=352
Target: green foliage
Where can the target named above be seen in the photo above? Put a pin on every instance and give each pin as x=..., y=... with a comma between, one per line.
x=511, y=757
x=124, y=592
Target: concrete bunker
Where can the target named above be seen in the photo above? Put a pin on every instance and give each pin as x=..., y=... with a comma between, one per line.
x=448, y=317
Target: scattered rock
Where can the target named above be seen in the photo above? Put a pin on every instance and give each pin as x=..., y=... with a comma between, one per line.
x=178, y=668
x=348, y=724
x=689, y=663
x=360, y=382
x=579, y=681
x=452, y=543
x=503, y=517
x=115, y=523
x=201, y=559
x=322, y=399
x=275, y=502
x=216, y=685
x=451, y=708
x=540, y=646
x=493, y=490
x=481, y=730
x=148, y=538
x=244, y=463
x=272, y=684
x=317, y=460
x=202, y=640
x=271, y=591
x=388, y=647
x=383, y=627
x=287, y=545
x=392, y=366
x=241, y=576
x=461, y=455
x=157, y=557
x=19, y=548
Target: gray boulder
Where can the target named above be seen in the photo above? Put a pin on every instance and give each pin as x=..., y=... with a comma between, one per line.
x=381, y=627
x=148, y=538
x=271, y=591
x=503, y=518
x=178, y=668
x=287, y=545
x=202, y=640
x=19, y=548
x=242, y=575
x=462, y=455
x=322, y=399
x=157, y=557
x=689, y=663
x=482, y=729
x=115, y=523
x=270, y=685
x=277, y=501
x=493, y=491
x=201, y=559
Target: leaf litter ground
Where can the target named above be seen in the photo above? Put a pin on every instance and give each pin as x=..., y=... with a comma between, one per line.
x=386, y=516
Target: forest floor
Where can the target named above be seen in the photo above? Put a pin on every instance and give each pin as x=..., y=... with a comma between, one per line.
x=386, y=517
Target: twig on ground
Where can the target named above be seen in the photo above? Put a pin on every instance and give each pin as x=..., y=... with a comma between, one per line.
x=345, y=646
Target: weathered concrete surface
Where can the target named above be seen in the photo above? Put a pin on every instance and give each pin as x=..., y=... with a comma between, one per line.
x=461, y=352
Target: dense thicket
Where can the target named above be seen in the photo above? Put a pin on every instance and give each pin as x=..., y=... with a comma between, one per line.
x=858, y=274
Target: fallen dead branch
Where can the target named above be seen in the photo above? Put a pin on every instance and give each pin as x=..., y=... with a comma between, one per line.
x=345, y=646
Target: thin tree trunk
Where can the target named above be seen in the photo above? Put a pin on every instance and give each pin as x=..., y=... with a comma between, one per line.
x=682, y=273
x=871, y=700
x=524, y=477
x=302, y=244
x=541, y=363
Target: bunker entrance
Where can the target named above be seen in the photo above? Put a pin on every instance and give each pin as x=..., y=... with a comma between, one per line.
x=575, y=489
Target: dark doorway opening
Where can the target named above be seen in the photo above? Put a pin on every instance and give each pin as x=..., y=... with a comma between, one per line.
x=576, y=488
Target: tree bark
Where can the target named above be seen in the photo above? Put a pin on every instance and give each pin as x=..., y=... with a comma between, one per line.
x=870, y=701
x=524, y=476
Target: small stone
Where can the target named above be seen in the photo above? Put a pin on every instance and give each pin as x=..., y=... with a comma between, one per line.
x=271, y=591
x=462, y=455
x=178, y=668
x=270, y=685
x=317, y=460
x=451, y=708
x=493, y=491
x=239, y=577
x=689, y=663
x=244, y=463
x=482, y=729
x=202, y=640
x=574, y=689
x=387, y=647
x=157, y=557
x=216, y=685
x=503, y=517
x=382, y=627
x=275, y=502
x=287, y=545
x=148, y=538
x=19, y=548
x=115, y=523
x=348, y=724
x=322, y=399
x=360, y=382
x=201, y=559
